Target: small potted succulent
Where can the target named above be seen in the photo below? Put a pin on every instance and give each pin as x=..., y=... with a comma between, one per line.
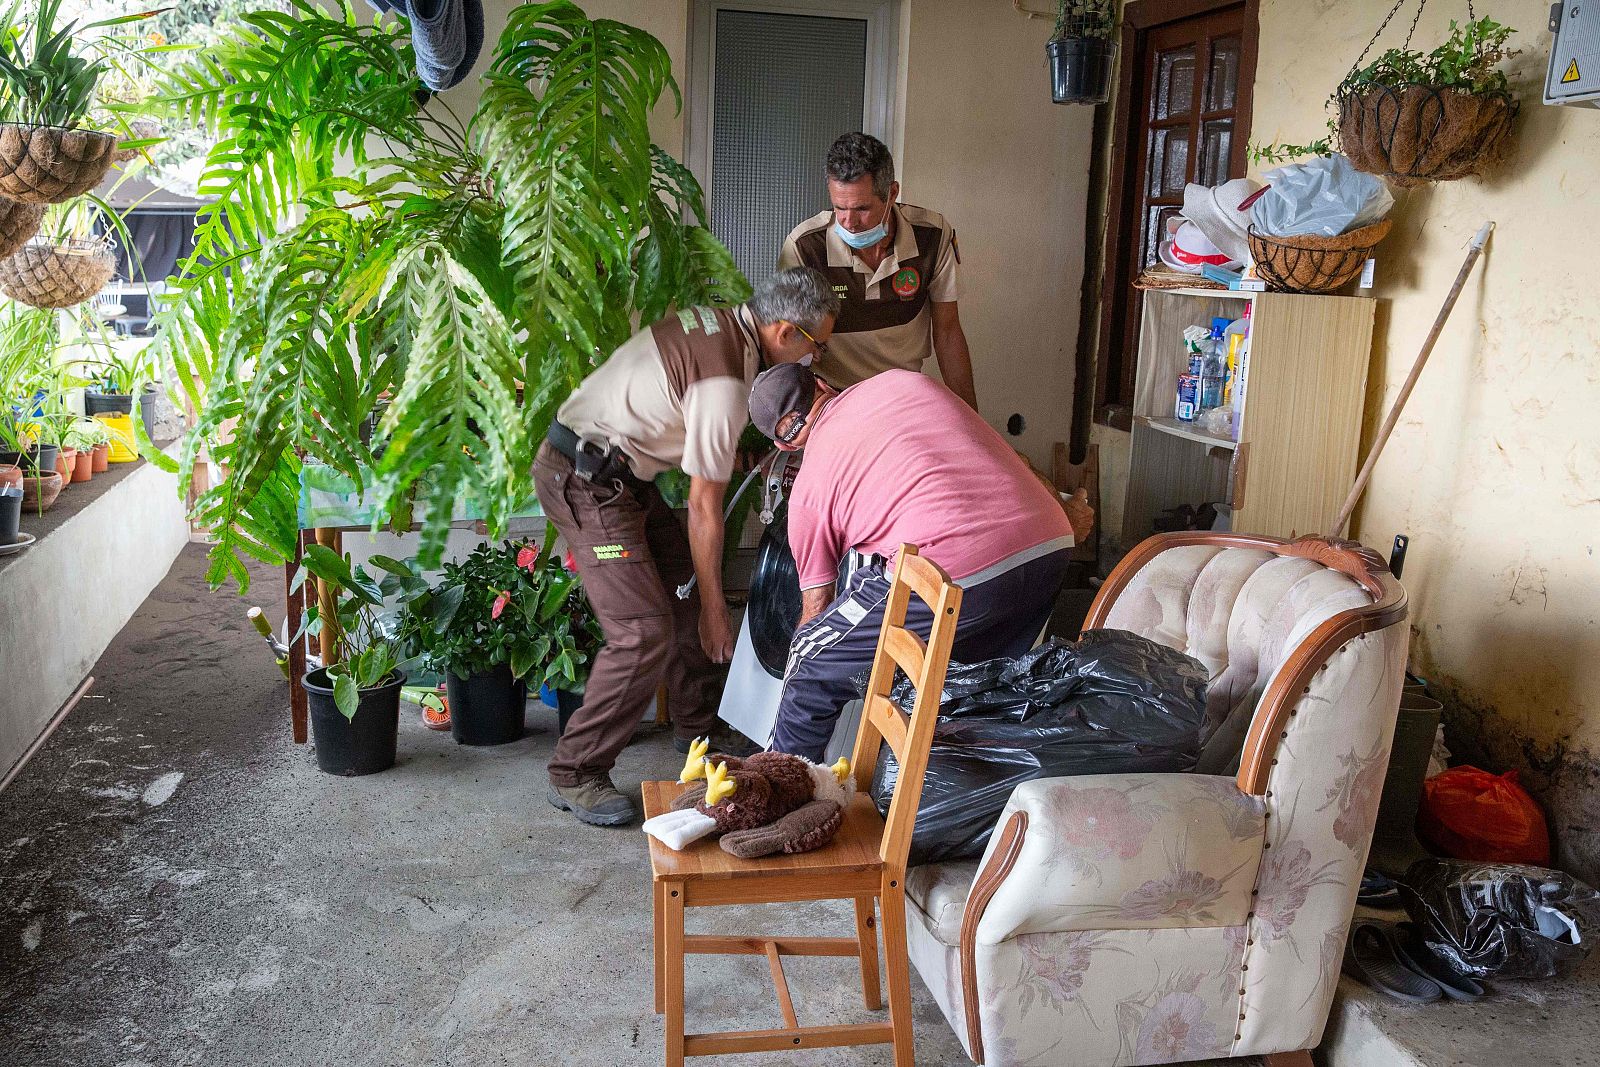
x=1081, y=51
x=354, y=701
x=496, y=621
x=48, y=75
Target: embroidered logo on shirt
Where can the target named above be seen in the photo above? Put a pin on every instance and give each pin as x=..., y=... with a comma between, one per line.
x=905, y=283
x=610, y=552
x=697, y=318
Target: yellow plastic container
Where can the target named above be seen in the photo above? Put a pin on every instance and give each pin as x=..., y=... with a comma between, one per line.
x=123, y=449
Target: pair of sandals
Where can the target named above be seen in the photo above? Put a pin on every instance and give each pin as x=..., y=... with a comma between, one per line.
x=1394, y=959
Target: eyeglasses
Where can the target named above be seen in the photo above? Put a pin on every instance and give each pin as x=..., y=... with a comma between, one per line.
x=821, y=347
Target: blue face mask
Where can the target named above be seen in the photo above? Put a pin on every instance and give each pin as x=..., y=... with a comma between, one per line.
x=866, y=238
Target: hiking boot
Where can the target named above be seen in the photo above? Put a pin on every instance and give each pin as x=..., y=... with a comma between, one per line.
x=724, y=739
x=596, y=802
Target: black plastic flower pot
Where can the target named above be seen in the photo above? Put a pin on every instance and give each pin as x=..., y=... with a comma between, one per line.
x=486, y=708
x=10, y=517
x=363, y=744
x=1080, y=70
x=567, y=705
x=41, y=457
x=107, y=404
x=147, y=411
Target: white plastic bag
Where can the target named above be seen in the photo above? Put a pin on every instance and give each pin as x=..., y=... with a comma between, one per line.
x=1325, y=196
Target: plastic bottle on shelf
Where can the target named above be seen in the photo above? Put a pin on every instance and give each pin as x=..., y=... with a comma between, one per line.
x=1214, y=367
x=1233, y=339
x=1188, y=399
x=1239, y=353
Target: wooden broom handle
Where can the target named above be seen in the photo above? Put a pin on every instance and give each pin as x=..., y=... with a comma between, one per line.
x=1360, y=486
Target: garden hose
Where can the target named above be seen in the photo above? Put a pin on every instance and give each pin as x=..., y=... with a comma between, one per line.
x=688, y=587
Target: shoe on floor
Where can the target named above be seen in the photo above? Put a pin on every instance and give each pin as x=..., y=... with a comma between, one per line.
x=596, y=802
x=724, y=739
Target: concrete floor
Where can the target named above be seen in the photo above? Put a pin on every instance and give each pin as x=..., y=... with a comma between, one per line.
x=179, y=885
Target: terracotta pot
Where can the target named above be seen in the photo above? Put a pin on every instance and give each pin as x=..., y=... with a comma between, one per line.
x=66, y=460
x=10, y=475
x=102, y=458
x=83, y=465
x=38, y=494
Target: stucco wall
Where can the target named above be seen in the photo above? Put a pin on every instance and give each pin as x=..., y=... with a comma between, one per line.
x=1494, y=471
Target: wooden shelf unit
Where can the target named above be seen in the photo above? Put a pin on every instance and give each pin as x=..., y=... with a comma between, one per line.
x=1297, y=449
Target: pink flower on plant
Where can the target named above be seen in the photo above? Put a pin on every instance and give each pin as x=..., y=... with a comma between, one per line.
x=528, y=556
x=568, y=562
x=500, y=603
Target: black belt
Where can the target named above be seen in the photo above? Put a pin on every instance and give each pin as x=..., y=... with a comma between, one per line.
x=612, y=466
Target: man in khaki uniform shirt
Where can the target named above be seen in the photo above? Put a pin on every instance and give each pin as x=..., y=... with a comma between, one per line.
x=893, y=268
x=676, y=394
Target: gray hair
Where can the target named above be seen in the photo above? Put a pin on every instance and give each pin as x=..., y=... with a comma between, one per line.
x=856, y=154
x=798, y=295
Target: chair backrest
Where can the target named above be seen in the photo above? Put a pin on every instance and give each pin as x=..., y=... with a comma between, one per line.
x=909, y=736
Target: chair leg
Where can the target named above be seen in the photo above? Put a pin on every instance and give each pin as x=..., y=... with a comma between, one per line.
x=660, y=948
x=899, y=967
x=1289, y=1059
x=672, y=969
x=867, y=938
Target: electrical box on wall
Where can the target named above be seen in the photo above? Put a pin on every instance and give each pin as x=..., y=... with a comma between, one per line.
x=1574, y=76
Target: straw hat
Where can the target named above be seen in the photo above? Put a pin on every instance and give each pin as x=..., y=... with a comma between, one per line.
x=1223, y=213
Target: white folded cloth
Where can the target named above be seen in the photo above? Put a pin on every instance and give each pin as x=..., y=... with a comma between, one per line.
x=679, y=829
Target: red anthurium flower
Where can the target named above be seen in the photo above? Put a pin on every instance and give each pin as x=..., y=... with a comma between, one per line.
x=528, y=557
x=500, y=603
x=568, y=562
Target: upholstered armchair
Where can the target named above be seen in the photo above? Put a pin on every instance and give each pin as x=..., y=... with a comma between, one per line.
x=1152, y=918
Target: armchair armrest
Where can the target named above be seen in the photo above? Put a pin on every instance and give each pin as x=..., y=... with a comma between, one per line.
x=1119, y=852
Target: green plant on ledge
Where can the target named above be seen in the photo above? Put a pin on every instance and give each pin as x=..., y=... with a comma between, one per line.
x=472, y=271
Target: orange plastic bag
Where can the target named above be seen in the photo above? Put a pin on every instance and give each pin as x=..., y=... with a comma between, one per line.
x=1470, y=814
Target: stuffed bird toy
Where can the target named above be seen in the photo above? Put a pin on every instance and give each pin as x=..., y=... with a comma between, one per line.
x=765, y=803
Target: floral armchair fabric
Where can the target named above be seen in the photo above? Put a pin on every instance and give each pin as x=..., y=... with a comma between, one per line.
x=1153, y=918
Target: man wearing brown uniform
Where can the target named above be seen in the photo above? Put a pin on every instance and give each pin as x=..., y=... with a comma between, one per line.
x=893, y=268
x=675, y=395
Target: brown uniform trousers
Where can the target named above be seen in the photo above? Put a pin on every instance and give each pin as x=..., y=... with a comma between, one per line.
x=633, y=553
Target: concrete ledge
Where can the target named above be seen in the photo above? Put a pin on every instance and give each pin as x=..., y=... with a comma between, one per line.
x=65, y=598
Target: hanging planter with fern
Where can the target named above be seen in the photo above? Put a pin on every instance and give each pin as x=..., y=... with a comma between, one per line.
x=1415, y=117
x=18, y=224
x=48, y=77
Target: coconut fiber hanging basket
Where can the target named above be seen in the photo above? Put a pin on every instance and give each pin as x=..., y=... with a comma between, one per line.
x=1422, y=133
x=1311, y=263
x=47, y=274
x=18, y=223
x=51, y=164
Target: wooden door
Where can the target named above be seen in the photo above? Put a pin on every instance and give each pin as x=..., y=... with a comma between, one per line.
x=1183, y=116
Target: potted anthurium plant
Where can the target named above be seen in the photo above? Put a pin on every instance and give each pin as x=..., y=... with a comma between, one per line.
x=1081, y=50
x=354, y=701
x=495, y=622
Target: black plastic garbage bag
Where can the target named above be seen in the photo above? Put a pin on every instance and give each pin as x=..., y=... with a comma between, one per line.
x=1501, y=920
x=1109, y=702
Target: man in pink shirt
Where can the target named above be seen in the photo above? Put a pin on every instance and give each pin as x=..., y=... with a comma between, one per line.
x=900, y=459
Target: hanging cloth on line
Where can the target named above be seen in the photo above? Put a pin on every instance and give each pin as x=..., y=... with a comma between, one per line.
x=447, y=36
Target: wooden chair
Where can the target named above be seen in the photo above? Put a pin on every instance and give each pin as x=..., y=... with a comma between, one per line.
x=865, y=861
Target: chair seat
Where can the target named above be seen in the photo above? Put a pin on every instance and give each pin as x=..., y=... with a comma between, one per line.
x=854, y=850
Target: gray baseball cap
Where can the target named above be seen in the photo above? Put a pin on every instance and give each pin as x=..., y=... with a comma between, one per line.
x=780, y=391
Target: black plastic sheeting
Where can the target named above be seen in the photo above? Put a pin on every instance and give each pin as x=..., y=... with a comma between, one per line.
x=1107, y=703
x=1501, y=920
x=774, y=603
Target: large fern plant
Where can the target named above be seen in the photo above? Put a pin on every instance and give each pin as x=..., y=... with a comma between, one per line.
x=363, y=251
